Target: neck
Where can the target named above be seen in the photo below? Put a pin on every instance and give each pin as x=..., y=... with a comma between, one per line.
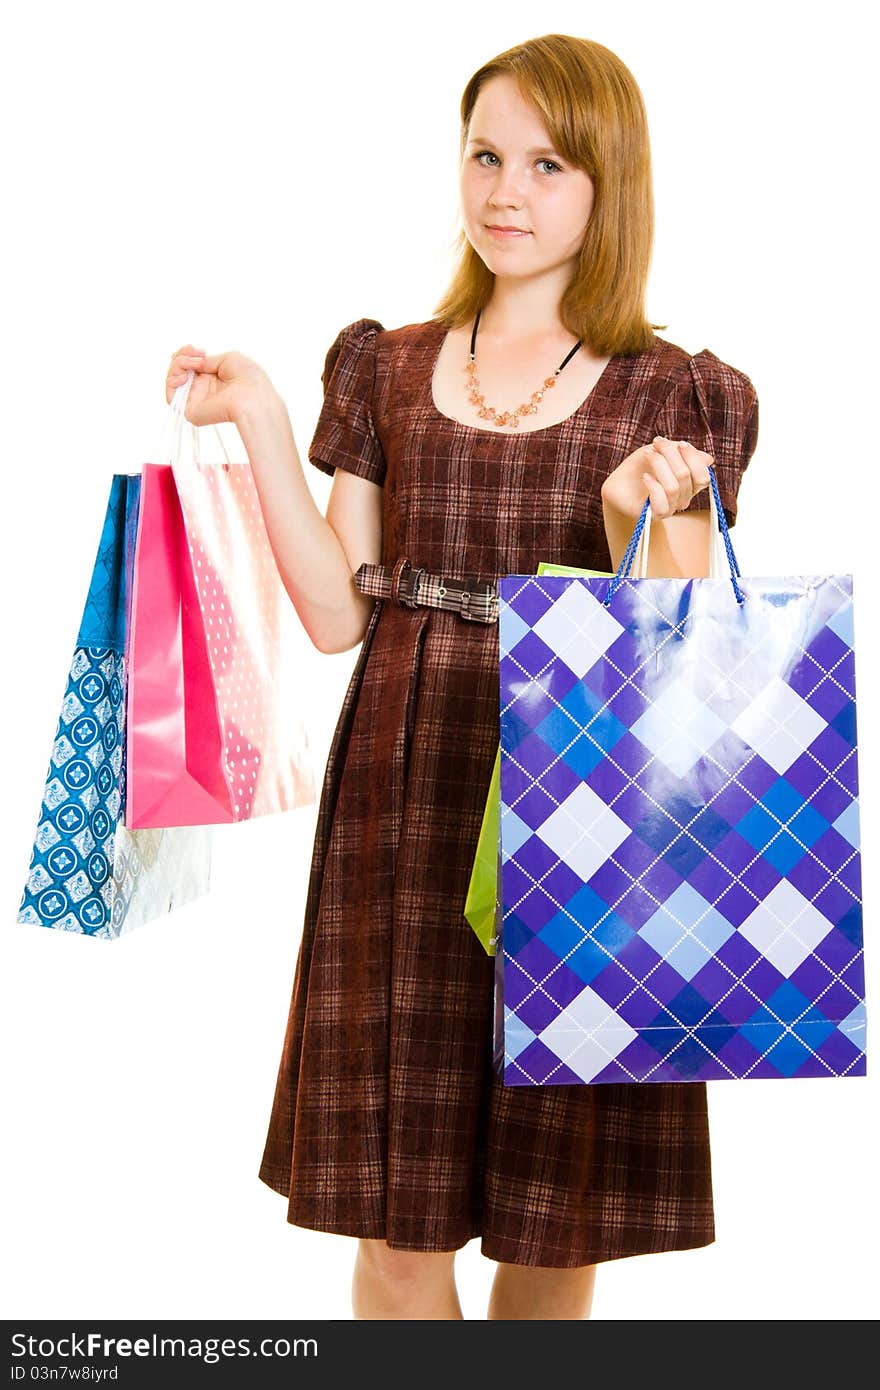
x=528, y=308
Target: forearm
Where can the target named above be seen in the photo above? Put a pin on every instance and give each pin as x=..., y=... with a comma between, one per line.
x=618, y=529
x=663, y=562
x=310, y=558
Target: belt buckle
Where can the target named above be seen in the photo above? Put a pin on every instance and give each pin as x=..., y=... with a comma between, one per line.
x=473, y=588
x=408, y=586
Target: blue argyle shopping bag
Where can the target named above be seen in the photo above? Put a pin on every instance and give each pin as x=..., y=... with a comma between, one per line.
x=88, y=874
x=680, y=887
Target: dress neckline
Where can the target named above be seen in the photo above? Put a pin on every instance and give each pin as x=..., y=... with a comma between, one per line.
x=599, y=387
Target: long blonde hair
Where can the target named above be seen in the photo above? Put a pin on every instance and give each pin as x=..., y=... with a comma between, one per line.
x=594, y=112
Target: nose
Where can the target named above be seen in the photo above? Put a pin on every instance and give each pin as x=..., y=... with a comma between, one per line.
x=507, y=184
x=507, y=187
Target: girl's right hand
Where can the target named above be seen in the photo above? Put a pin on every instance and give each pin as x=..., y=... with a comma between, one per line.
x=223, y=388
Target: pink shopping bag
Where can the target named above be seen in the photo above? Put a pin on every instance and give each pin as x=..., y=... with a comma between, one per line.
x=212, y=733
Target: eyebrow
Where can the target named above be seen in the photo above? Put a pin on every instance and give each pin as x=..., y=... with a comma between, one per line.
x=480, y=140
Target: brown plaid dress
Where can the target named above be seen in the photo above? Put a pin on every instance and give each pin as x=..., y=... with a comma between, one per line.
x=388, y=1120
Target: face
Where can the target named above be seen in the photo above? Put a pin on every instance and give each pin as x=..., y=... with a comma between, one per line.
x=511, y=177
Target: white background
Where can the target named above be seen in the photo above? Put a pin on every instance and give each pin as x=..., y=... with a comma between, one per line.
x=255, y=178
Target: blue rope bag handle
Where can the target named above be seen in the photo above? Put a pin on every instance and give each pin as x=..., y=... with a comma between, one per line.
x=625, y=565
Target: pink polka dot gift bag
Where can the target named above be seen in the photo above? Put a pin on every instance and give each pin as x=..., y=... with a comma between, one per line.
x=212, y=731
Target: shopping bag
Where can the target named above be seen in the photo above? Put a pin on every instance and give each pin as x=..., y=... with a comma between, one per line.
x=213, y=733
x=681, y=881
x=88, y=872
x=481, y=903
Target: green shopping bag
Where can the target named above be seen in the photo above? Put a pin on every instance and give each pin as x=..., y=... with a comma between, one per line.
x=480, y=904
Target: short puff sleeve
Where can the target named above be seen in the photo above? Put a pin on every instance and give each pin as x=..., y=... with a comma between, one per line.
x=714, y=407
x=345, y=436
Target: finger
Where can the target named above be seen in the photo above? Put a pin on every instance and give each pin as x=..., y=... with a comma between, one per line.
x=661, y=467
x=691, y=451
x=174, y=380
x=684, y=468
x=698, y=462
x=656, y=496
x=671, y=451
x=191, y=359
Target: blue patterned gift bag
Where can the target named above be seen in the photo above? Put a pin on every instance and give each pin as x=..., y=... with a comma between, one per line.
x=680, y=886
x=88, y=874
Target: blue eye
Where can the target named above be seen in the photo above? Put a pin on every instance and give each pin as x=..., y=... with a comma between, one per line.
x=479, y=155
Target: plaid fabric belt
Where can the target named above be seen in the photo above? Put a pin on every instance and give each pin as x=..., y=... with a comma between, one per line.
x=473, y=598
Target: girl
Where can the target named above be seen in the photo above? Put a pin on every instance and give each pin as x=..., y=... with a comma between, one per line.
x=453, y=462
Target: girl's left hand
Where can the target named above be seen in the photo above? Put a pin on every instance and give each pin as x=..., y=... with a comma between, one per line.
x=671, y=473
x=676, y=472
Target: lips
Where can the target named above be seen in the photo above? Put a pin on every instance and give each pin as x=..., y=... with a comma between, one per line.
x=497, y=227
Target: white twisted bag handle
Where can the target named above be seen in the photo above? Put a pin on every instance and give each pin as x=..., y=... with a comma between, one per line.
x=176, y=421
x=717, y=551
